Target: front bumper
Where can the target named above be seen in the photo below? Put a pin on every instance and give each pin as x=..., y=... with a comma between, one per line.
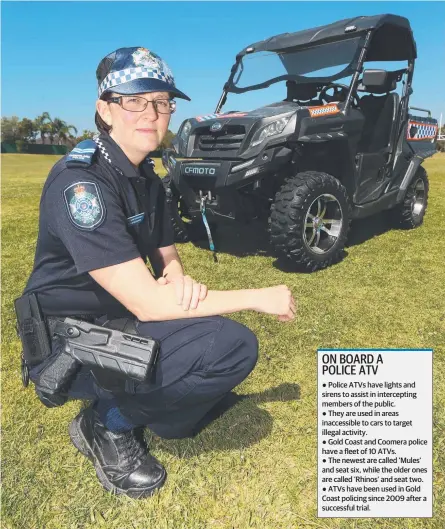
x=195, y=179
x=220, y=179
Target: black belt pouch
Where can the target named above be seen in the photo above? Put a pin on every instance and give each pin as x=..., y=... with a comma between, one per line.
x=32, y=329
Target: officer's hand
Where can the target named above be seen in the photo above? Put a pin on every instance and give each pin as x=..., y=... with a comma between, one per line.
x=188, y=291
x=277, y=300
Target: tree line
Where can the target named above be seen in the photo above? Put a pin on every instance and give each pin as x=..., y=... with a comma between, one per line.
x=52, y=131
x=23, y=131
x=49, y=131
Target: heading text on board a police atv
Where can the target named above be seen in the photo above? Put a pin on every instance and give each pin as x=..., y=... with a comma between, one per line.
x=327, y=154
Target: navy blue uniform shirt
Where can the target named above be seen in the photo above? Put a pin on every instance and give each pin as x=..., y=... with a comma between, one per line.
x=94, y=215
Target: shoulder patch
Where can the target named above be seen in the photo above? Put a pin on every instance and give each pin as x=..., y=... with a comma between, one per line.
x=82, y=154
x=86, y=208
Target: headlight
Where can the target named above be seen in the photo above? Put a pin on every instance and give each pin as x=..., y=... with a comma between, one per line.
x=185, y=131
x=273, y=128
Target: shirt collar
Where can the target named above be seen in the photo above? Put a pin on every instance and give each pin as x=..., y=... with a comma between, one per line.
x=119, y=158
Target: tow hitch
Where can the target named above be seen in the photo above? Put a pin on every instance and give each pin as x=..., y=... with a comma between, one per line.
x=202, y=208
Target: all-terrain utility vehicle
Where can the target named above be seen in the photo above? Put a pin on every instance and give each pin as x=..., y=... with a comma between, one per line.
x=325, y=155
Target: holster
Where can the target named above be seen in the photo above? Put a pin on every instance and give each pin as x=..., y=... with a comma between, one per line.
x=32, y=330
x=106, y=349
x=102, y=348
x=33, y=333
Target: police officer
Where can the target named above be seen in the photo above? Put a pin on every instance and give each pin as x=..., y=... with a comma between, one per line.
x=102, y=215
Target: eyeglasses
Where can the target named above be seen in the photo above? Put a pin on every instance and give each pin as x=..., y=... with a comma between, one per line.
x=139, y=104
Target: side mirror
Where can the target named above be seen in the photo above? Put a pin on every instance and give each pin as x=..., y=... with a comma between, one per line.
x=413, y=131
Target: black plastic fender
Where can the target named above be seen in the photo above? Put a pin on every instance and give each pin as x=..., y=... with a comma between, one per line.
x=410, y=172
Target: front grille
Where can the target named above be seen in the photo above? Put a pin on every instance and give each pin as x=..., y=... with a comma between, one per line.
x=227, y=139
x=201, y=182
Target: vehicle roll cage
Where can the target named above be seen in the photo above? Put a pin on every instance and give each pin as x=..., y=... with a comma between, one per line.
x=355, y=68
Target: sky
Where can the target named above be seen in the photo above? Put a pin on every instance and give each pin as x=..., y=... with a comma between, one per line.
x=50, y=50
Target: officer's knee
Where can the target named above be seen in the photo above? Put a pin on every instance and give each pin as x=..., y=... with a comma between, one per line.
x=246, y=341
x=251, y=347
x=254, y=349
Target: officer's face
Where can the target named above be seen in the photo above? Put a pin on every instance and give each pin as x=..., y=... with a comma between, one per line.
x=138, y=132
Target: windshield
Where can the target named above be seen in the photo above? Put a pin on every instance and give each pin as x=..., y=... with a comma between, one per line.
x=323, y=63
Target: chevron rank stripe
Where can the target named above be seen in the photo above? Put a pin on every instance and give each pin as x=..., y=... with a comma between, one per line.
x=324, y=110
x=82, y=153
x=425, y=131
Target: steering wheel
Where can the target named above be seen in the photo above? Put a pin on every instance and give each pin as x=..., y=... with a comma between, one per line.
x=340, y=94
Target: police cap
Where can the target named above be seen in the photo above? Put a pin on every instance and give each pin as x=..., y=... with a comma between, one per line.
x=134, y=71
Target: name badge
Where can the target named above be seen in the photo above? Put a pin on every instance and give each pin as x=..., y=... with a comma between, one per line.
x=135, y=219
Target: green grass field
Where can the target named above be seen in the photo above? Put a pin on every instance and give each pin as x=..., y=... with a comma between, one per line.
x=255, y=467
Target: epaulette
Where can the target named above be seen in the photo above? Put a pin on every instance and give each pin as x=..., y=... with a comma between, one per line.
x=82, y=154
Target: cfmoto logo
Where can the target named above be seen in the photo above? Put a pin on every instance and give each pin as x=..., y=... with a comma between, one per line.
x=216, y=126
x=199, y=170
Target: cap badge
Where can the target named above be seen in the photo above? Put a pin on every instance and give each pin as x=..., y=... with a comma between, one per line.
x=144, y=57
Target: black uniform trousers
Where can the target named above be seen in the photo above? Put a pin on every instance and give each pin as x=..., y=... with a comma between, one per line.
x=200, y=361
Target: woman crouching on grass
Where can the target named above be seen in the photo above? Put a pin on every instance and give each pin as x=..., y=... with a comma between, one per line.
x=102, y=214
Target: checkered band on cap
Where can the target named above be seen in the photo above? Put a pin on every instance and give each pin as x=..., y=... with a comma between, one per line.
x=130, y=74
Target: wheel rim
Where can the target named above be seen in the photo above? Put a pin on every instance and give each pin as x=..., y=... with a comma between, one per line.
x=419, y=197
x=323, y=224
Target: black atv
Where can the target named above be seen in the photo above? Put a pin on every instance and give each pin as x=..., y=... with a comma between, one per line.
x=328, y=153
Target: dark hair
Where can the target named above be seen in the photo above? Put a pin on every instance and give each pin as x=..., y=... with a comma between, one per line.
x=102, y=127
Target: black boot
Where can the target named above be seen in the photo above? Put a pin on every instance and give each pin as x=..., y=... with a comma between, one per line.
x=122, y=462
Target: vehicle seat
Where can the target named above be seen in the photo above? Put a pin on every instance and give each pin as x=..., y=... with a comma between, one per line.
x=380, y=113
x=380, y=118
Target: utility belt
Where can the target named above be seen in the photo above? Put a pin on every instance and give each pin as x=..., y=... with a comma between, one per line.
x=113, y=350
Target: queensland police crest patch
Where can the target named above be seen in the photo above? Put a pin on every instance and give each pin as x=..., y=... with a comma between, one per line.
x=85, y=205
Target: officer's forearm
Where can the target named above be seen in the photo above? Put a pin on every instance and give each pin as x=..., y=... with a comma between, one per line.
x=173, y=268
x=132, y=284
x=164, y=307
x=166, y=262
